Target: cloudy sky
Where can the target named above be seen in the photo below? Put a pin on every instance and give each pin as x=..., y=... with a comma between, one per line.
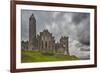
x=75, y=25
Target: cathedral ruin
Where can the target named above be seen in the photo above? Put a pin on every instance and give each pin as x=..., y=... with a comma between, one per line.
x=45, y=41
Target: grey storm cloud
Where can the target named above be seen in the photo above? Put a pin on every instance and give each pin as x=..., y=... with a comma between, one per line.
x=83, y=24
x=78, y=17
x=75, y=25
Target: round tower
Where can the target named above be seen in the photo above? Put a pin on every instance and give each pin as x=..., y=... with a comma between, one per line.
x=32, y=32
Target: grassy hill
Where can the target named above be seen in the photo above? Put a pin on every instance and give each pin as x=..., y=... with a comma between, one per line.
x=36, y=56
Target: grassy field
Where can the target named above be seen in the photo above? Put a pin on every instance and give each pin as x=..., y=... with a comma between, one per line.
x=35, y=56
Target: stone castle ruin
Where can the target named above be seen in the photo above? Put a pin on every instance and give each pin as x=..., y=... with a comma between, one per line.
x=45, y=41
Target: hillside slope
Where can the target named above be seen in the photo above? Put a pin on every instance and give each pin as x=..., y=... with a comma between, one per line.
x=35, y=56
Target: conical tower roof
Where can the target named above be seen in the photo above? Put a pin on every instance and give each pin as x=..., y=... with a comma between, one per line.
x=32, y=17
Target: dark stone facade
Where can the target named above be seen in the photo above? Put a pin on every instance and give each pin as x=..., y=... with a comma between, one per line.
x=45, y=42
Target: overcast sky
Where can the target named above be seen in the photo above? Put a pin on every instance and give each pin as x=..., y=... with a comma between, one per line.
x=75, y=25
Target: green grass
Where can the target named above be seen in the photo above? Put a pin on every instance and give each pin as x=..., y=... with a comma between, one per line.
x=36, y=56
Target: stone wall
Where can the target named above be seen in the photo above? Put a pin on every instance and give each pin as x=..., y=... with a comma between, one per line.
x=44, y=41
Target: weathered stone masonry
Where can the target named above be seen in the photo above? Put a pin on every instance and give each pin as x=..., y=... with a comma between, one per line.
x=44, y=41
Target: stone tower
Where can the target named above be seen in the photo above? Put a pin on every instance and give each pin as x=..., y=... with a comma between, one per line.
x=32, y=32
x=64, y=45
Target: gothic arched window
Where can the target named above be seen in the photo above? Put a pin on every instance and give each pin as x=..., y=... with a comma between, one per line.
x=46, y=44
